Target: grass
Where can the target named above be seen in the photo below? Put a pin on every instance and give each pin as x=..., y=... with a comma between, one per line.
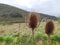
x=10, y=34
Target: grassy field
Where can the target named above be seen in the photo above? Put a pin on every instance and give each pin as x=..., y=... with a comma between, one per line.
x=20, y=34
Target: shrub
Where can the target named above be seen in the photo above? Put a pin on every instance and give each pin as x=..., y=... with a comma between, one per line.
x=1, y=38
x=8, y=39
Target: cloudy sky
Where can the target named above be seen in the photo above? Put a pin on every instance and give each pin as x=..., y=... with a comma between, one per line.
x=51, y=7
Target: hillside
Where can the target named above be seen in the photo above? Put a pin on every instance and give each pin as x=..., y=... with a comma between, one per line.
x=6, y=12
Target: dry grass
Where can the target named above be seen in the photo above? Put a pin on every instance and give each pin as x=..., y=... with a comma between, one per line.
x=15, y=28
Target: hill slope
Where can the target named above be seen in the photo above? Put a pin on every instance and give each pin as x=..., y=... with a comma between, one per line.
x=6, y=11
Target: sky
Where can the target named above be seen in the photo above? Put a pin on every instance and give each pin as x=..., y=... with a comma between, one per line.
x=51, y=7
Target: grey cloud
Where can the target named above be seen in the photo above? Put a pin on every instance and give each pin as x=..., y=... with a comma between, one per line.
x=51, y=7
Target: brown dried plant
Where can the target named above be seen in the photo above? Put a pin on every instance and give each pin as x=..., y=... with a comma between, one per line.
x=49, y=28
x=33, y=21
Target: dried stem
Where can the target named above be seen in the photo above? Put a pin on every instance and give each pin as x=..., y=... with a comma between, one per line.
x=48, y=39
x=40, y=22
x=33, y=36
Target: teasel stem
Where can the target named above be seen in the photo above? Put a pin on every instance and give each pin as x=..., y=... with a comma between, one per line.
x=19, y=26
x=40, y=21
x=33, y=36
x=18, y=30
x=48, y=40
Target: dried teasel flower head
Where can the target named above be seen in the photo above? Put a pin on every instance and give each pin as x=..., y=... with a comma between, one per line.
x=49, y=27
x=33, y=20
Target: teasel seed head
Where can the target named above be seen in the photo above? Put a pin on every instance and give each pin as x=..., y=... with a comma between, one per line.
x=49, y=27
x=33, y=20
